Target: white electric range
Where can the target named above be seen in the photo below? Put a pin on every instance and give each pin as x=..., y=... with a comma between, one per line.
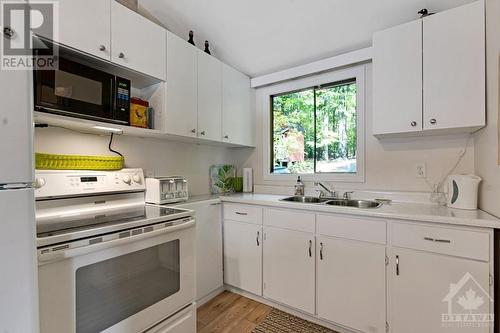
x=109, y=262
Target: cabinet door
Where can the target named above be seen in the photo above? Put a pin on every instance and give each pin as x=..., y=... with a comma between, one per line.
x=137, y=43
x=208, y=246
x=209, y=97
x=238, y=120
x=425, y=288
x=86, y=26
x=182, y=87
x=243, y=256
x=351, y=283
x=288, y=267
x=16, y=124
x=397, y=79
x=454, y=68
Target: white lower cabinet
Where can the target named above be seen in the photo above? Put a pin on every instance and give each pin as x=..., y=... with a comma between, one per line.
x=351, y=283
x=208, y=246
x=243, y=256
x=363, y=274
x=426, y=289
x=288, y=268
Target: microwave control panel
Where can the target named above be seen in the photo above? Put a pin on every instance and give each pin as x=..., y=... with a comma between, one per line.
x=122, y=93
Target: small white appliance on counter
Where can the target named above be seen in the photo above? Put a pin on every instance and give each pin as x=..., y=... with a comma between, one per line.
x=162, y=190
x=109, y=262
x=462, y=191
x=247, y=180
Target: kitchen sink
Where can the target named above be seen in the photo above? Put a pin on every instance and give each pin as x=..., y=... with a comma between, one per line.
x=334, y=202
x=305, y=199
x=354, y=203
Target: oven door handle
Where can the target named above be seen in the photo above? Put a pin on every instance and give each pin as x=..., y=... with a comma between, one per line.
x=78, y=251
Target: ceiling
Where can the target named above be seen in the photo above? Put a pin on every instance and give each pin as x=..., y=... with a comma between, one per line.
x=263, y=36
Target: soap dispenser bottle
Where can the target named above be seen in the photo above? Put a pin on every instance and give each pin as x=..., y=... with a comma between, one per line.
x=299, y=187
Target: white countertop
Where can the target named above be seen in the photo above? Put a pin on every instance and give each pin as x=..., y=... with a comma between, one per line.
x=403, y=211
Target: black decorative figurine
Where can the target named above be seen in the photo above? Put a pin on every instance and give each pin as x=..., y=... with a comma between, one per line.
x=424, y=12
x=206, y=47
x=191, y=35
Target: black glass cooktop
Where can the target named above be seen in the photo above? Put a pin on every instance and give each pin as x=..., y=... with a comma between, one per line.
x=64, y=224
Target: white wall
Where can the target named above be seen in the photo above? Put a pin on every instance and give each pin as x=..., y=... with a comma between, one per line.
x=390, y=164
x=486, y=140
x=160, y=158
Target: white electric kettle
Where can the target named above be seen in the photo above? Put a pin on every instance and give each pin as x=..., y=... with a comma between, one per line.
x=462, y=191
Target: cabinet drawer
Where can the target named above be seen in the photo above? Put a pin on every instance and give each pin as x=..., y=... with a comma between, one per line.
x=355, y=228
x=455, y=242
x=289, y=219
x=243, y=213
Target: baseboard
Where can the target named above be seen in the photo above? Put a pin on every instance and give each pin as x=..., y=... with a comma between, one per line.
x=210, y=296
x=284, y=308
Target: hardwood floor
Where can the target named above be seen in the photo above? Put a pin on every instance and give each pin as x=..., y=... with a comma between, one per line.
x=230, y=313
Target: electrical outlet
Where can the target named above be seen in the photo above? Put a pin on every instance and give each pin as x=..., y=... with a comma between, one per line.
x=420, y=171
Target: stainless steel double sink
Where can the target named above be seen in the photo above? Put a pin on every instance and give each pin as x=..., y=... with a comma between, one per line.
x=334, y=202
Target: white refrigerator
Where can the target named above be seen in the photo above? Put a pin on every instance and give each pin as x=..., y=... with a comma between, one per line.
x=18, y=267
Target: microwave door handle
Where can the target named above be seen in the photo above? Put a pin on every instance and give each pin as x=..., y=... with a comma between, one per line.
x=69, y=253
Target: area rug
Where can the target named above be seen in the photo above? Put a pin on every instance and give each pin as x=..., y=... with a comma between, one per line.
x=280, y=322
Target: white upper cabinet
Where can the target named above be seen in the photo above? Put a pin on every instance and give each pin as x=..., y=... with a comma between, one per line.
x=209, y=97
x=136, y=42
x=429, y=75
x=454, y=68
x=397, y=79
x=85, y=25
x=182, y=87
x=238, y=120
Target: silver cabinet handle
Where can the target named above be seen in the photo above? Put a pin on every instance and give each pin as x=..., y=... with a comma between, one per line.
x=121, y=55
x=202, y=132
x=310, y=248
x=413, y=123
x=321, y=251
x=258, y=236
x=437, y=240
x=397, y=265
x=433, y=121
x=240, y=213
x=102, y=48
x=8, y=32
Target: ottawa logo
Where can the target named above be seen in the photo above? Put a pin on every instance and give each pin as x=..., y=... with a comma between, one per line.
x=469, y=304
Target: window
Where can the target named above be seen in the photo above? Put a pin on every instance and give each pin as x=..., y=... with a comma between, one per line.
x=316, y=127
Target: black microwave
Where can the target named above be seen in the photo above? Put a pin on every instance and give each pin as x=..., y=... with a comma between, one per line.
x=78, y=90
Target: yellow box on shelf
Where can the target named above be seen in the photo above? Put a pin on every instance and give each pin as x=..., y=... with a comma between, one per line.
x=77, y=162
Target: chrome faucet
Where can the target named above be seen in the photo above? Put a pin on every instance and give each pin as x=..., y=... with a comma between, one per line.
x=331, y=193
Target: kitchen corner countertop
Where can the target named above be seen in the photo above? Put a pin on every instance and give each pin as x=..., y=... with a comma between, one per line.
x=395, y=210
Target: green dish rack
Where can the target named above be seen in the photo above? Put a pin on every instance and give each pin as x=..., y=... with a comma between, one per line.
x=77, y=162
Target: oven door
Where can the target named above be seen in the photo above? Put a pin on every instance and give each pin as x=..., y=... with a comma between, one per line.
x=75, y=90
x=125, y=285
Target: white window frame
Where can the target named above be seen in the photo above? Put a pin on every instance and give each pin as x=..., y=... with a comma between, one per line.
x=358, y=73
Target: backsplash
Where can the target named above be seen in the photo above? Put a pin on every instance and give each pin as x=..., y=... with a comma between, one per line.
x=157, y=158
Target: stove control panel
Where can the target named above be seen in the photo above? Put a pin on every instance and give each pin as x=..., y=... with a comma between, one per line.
x=68, y=183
